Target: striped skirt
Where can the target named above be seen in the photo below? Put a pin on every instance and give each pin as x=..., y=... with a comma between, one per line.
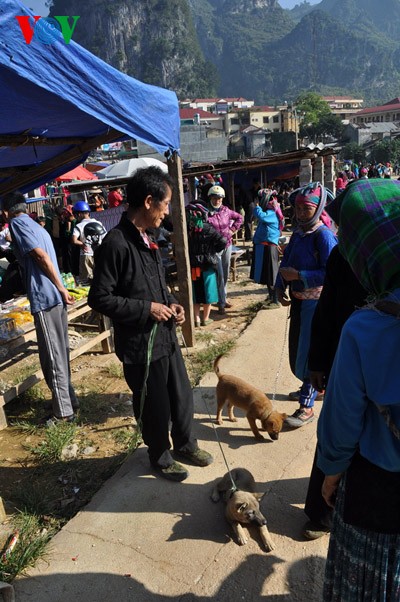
x=362, y=565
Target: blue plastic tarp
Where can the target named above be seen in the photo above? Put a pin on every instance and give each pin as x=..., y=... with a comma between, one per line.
x=62, y=90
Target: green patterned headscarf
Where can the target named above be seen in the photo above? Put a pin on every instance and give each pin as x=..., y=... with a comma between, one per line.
x=368, y=215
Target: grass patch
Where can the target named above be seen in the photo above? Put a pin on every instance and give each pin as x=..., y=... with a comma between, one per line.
x=204, y=337
x=34, y=534
x=32, y=499
x=115, y=370
x=56, y=438
x=251, y=310
x=23, y=426
x=202, y=362
x=25, y=372
x=129, y=439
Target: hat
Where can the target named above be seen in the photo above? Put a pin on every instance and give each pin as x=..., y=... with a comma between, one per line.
x=208, y=176
x=217, y=191
x=346, y=168
x=95, y=190
x=310, y=195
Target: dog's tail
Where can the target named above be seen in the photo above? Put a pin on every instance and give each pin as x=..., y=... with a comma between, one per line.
x=216, y=362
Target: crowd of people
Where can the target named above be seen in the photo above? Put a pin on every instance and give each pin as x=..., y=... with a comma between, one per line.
x=343, y=254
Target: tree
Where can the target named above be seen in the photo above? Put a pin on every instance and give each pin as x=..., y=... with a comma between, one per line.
x=353, y=151
x=314, y=109
x=330, y=125
x=386, y=150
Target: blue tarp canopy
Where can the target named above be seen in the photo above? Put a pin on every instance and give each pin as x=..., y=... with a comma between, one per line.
x=58, y=101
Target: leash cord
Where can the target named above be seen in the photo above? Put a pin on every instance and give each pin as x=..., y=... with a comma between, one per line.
x=282, y=353
x=234, y=488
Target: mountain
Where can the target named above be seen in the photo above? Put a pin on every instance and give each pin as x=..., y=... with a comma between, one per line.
x=251, y=48
x=152, y=40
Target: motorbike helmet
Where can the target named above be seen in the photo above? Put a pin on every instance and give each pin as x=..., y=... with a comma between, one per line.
x=93, y=229
x=217, y=191
x=81, y=206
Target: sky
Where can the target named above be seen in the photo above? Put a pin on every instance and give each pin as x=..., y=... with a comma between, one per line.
x=39, y=6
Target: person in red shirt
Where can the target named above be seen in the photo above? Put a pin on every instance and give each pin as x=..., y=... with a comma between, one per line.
x=115, y=198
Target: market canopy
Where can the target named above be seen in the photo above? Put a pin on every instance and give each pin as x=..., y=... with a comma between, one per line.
x=58, y=101
x=79, y=173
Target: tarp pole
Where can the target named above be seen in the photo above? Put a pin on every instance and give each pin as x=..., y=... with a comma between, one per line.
x=181, y=247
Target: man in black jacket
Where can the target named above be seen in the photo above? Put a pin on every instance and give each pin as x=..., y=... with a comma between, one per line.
x=129, y=287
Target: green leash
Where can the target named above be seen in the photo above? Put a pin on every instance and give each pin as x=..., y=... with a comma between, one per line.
x=143, y=393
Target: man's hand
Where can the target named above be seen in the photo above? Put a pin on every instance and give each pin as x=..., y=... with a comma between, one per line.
x=282, y=297
x=317, y=379
x=66, y=297
x=289, y=274
x=160, y=312
x=179, y=313
x=329, y=488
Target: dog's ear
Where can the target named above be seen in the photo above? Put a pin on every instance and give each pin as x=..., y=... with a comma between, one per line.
x=241, y=507
x=259, y=495
x=284, y=416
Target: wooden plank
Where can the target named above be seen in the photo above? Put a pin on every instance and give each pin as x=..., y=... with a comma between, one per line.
x=79, y=308
x=181, y=248
x=35, y=378
x=42, y=169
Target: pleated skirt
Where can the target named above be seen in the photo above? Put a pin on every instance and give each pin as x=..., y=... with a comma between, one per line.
x=362, y=565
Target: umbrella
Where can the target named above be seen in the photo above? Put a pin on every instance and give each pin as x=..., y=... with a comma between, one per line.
x=79, y=173
x=128, y=167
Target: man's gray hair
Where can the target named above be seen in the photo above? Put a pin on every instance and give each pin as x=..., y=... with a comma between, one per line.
x=14, y=202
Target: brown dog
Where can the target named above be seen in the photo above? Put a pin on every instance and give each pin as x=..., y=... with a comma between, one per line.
x=236, y=392
x=242, y=505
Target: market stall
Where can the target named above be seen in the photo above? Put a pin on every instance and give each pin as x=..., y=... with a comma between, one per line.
x=18, y=340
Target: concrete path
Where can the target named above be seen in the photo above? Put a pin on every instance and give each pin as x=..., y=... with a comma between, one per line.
x=144, y=538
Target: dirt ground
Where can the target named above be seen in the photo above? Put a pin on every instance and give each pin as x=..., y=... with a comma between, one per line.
x=58, y=489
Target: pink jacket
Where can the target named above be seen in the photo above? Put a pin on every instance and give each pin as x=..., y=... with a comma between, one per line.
x=225, y=221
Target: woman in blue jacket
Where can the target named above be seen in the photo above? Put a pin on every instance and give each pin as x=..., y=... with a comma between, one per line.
x=265, y=262
x=303, y=271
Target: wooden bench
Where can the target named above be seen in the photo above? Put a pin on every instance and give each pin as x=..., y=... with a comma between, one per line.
x=105, y=337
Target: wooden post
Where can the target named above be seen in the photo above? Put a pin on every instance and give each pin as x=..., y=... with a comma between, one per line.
x=3, y=514
x=181, y=248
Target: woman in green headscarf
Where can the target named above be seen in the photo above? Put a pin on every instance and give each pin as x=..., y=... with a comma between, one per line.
x=359, y=427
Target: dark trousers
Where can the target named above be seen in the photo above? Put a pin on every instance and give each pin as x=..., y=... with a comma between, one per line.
x=316, y=508
x=169, y=397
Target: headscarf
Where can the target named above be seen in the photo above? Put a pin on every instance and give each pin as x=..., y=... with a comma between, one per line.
x=368, y=215
x=196, y=215
x=314, y=194
x=268, y=200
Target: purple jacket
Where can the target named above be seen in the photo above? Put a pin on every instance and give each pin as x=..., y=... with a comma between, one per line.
x=225, y=221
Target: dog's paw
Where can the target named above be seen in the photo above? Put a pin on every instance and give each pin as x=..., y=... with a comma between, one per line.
x=269, y=546
x=219, y=421
x=233, y=419
x=242, y=540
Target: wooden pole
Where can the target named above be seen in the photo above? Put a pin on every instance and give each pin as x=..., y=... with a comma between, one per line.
x=181, y=248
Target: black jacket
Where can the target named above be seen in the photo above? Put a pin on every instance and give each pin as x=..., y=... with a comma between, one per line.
x=204, y=245
x=128, y=276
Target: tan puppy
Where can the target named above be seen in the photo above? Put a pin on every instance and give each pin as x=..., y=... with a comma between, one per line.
x=236, y=392
x=242, y=505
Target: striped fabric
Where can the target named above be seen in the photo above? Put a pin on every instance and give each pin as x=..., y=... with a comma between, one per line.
x=369, y=232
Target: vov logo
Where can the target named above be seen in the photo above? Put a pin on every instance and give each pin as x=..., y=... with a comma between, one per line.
x=47, y=30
